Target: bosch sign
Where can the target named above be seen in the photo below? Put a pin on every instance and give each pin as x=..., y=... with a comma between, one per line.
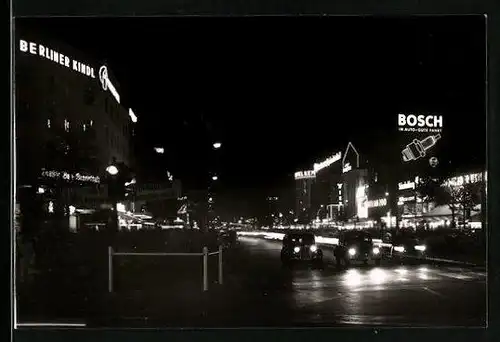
x=420, y=123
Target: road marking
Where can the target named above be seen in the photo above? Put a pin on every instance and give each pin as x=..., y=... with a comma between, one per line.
x=433, y=292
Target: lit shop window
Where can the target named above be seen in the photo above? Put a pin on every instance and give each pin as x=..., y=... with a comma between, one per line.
x=66, y=125
x=48, y=123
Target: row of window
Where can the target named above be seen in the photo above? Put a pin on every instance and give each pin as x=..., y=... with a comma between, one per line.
x=112, y=110
x=115, y=142
x=67, y=125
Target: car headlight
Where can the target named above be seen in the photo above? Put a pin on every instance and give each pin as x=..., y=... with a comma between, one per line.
x=313, y=248
x=296, y=249
x=420, y=248
x=399, y=249
x=352, y=251
x=376, y=250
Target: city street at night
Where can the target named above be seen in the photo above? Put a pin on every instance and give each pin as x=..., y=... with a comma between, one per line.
x=311, y=172
x=258, y=291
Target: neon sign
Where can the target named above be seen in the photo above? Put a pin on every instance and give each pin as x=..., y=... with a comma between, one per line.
x=347, y=167
x=381, y=202
x=70, y=63
x=107, y=84
x=464, y=179
x=132, y=115
x=420, y=123
x=69, y=177
x=406, y=185
x=57, y=57
x=406, y=199
x=327, y=162
x=305, y=174
x=361, y=203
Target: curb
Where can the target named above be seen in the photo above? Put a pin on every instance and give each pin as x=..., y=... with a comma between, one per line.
x=449, y=261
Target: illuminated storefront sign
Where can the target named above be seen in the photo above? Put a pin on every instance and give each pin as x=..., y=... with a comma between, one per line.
x=361, y=202
x=71, y=177
x=70, y=63
x=382, y=202
x=327, y=162
x=420, y=123
x=347, y=167
x=305, y=174
x=406, y=185
x=464, y=179
x=406, y=199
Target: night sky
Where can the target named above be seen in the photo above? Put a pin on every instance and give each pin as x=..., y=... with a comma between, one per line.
x=281, y=93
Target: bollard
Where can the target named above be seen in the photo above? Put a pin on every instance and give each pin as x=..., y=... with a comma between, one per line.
x=205, y=269
x=220, y=264
x=110, y=269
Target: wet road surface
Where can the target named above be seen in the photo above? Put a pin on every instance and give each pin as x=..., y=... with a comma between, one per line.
x=413, y=294
x=259, y=292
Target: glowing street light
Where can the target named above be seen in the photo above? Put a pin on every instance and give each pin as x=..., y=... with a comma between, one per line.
x=215, y=178
x=217, y=145
x=159, y=150
x=112, y=170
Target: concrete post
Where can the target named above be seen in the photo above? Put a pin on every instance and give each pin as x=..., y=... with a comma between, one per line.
x=220, y=265
x=205, y=269
x=110, y=269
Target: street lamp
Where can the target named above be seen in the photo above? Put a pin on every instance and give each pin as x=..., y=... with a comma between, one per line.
x=214, y=178
x=112, y=170
x=217, y=145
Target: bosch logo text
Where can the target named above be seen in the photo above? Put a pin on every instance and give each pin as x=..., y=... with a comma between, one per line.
x=420, y=123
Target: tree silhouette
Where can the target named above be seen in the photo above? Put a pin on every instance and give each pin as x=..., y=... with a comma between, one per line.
x=456, y=196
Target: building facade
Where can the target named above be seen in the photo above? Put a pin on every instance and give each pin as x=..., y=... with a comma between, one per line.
x=69, y=123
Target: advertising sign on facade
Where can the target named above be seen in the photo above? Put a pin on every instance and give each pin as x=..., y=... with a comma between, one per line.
x=305, y=174
x=70, y=63
x=327, y=162
x=422, y=132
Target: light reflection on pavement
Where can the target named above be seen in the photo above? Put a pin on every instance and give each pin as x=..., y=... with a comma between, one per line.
x=391, y=294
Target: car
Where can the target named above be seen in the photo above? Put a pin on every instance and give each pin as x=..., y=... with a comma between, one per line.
x=356, y=246
x=301, y=247
x=408, y=247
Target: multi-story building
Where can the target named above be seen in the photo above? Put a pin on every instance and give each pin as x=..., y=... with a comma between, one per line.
x=304, y=181
x=325, y=192
x=70, y=123
x=158, y=199
x=354, y=186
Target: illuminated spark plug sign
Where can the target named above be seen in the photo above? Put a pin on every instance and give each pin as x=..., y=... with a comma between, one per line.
x=305, y=174
x=418, y=148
